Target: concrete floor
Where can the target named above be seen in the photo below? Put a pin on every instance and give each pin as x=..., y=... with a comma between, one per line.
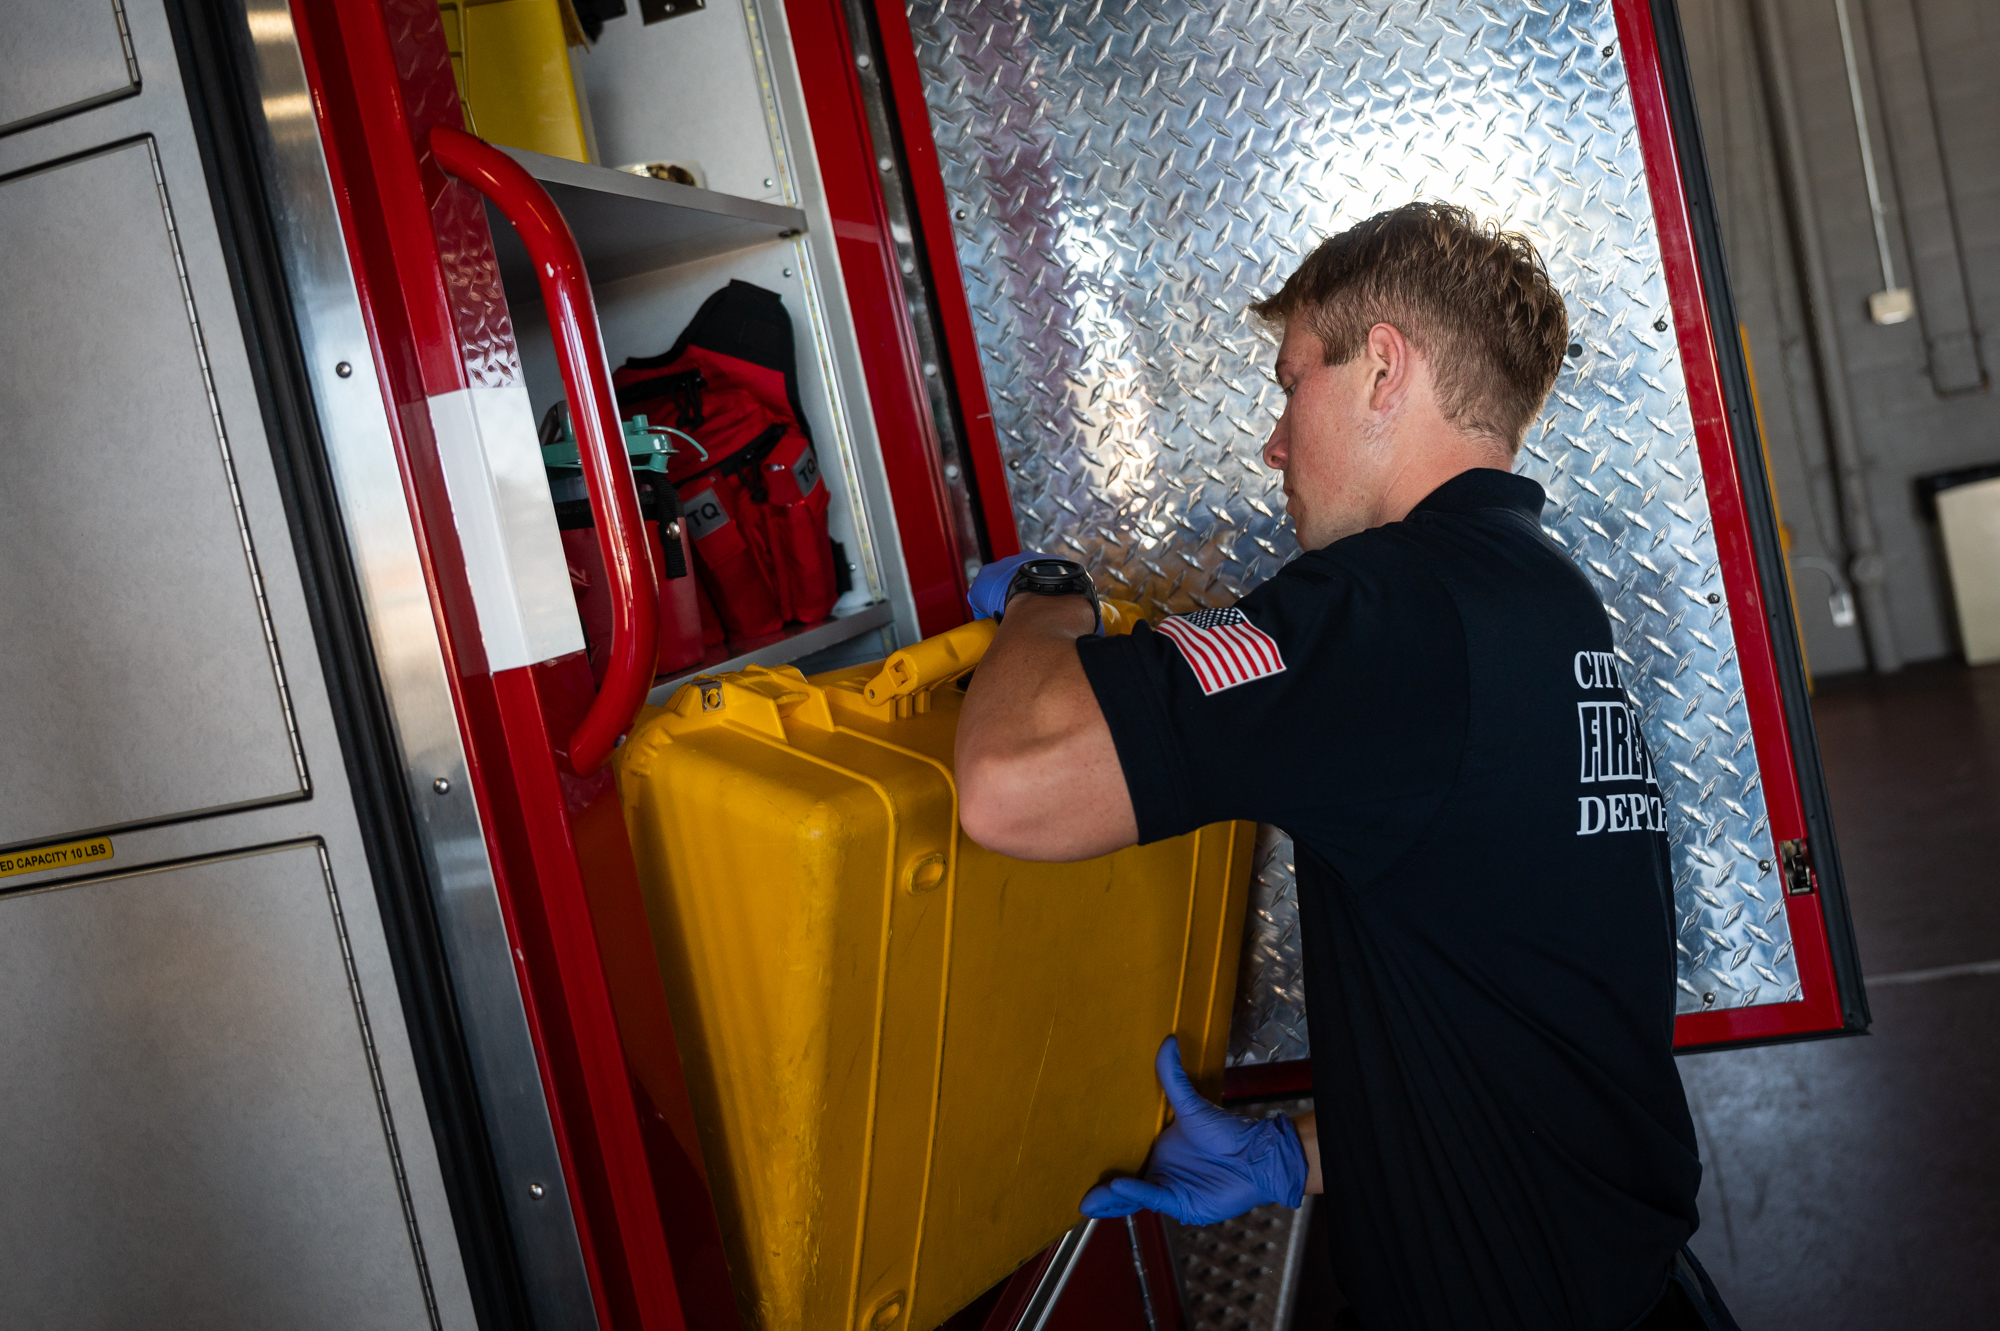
x=1855, y=1183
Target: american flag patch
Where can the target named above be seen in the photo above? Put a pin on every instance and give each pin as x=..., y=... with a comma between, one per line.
x=1223, y=647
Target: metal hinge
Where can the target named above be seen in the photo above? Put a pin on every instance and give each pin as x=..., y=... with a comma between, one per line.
x=1796, y=856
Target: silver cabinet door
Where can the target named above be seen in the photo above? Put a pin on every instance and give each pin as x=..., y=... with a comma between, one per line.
x=140, y=681
x=189, y=1087
x=238, y=1087
x=56, y=59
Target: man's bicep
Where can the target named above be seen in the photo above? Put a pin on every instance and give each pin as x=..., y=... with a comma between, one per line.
x=1038, y=773
x=1084, y=803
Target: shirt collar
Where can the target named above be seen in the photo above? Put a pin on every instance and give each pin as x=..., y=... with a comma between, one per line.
x=1484, y=487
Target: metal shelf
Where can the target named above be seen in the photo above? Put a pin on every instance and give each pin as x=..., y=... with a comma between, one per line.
x=627, y=224
x=783, y=648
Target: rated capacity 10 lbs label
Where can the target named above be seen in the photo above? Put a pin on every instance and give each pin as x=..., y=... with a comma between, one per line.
x=54, y=857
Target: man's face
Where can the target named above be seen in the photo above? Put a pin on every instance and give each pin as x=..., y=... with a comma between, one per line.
x=1332, y=443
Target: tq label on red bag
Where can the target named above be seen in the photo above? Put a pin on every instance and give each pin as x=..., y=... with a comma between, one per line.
x=806, y=472
x=705, y=514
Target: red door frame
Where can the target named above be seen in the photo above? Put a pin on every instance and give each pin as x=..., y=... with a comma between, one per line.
x=562, y=864
x=952, y=310
x=1821, y=1010
x=850, y=172
x=1751, y=617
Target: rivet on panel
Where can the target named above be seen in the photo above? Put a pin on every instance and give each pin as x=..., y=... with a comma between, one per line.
x=344, y=370
x=537, y=1191
x=441, y=786
x=1715, y=598
x=1660, y=324
x=886, y=163
x=863, y=61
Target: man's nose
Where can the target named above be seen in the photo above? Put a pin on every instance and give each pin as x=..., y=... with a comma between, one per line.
x=1276, y=448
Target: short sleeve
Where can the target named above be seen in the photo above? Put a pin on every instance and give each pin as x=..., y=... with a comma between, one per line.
x=1331, y=701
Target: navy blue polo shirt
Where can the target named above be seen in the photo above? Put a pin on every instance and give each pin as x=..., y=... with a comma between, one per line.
x=1434, y=710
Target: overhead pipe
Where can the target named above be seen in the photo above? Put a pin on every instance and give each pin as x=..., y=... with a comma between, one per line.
x=1866, y=568
x=1892, y=304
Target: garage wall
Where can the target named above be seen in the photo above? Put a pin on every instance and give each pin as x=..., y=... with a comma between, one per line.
x=1920, y=391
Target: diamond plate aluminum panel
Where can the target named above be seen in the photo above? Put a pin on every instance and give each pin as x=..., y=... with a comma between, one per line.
x=458, y=213
x=1130, y=174
x=1269, y=1023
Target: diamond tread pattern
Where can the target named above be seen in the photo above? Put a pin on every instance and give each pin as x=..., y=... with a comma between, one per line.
x=1129, y=174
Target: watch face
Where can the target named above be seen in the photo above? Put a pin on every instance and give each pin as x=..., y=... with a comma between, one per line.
x=1055, y=577
x=1051, y=570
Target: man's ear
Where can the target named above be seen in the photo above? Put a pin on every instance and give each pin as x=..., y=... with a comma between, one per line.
x=1392, y=363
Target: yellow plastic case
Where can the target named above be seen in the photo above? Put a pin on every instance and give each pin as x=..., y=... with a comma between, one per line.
x=511, y=60
x=909, y=1057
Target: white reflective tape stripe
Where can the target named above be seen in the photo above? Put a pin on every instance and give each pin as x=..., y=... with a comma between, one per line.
x=506, y=525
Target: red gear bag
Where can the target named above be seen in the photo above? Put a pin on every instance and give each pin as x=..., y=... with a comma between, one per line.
x=750, y=486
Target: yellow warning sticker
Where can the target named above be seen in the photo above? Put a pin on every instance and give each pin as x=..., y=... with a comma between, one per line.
x=54, y=857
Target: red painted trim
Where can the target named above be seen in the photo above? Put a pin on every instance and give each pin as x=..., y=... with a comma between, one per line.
x=1762, y=699
x=573, y=824
x=952, y=310
x=1264, y=1081
x=911, y=454
x=1006, y=1314
x=562, y=864
x=607, y=471
x=1102, y=1292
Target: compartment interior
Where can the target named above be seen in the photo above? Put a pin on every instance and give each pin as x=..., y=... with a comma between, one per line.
x=694, y=91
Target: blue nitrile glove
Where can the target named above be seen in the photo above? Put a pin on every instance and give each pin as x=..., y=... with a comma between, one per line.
x=1209, y=1165
x=988, y=596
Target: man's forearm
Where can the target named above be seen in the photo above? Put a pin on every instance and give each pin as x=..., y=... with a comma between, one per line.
x=1018, y=699
x=1307, y=1126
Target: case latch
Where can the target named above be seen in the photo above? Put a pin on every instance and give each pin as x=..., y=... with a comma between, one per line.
x=1796, y=857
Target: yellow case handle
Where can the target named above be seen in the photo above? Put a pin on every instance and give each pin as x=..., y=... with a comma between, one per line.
x=932, y=662
x=938, y=661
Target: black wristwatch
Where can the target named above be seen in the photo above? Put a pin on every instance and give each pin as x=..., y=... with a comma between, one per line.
x=1055, y=577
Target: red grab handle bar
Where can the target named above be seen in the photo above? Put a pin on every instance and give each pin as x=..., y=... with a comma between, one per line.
x=600, y=439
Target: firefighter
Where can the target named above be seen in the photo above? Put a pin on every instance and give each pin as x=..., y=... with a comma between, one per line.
x=1430, y=701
